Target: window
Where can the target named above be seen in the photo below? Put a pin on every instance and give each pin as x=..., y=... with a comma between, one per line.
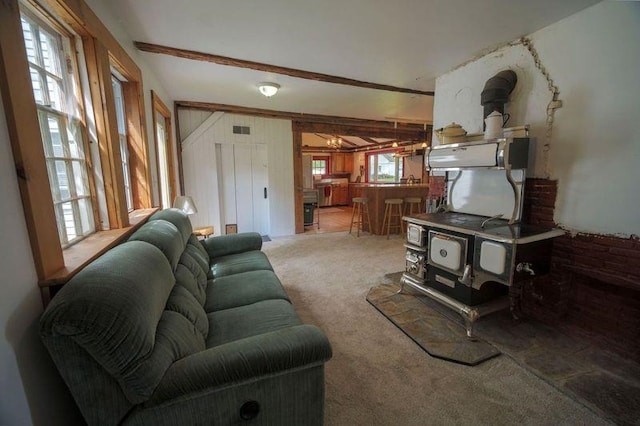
x=54, y=73
x=320, y=166
x=122, y=136
x=384, y=167
x=65, y=142
x=164, y=153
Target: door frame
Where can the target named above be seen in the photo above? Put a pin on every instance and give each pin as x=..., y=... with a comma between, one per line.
x=300, y=127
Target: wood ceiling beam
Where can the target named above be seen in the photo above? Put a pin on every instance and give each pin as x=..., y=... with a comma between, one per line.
x=292, y=72
x=316, y=123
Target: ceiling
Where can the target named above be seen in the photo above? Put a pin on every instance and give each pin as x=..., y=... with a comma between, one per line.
x=402, y=43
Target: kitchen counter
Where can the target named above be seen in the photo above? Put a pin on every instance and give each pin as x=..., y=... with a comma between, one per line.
x=378, y=192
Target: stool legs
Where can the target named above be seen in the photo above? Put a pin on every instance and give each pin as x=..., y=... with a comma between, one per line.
x=389, y=215
x=360, y=209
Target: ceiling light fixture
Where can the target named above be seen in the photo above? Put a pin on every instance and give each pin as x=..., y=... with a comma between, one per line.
x=334, y=143
x=268, y=89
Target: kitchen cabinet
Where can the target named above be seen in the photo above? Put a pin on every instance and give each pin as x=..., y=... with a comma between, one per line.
x=340, y=195
x=341, y=162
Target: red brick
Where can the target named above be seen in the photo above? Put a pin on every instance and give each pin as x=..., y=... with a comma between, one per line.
x=625, y=252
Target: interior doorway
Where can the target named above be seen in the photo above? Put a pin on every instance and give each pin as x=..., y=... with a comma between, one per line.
x=245, y=186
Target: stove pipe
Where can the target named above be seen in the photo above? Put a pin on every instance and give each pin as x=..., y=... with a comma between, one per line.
x=496, y=91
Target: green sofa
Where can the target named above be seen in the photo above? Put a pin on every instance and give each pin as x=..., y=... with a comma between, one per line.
x=165, y=329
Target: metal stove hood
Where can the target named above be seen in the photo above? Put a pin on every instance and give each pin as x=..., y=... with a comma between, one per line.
x=505, y=153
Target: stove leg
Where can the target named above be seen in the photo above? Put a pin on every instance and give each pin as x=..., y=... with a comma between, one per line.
x=515, y=298
x=401, y=285
x=470, y=318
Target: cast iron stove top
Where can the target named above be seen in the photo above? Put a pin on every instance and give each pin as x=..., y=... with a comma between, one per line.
x=496, y=229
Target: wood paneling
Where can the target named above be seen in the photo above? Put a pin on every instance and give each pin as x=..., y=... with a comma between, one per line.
x=316, y=123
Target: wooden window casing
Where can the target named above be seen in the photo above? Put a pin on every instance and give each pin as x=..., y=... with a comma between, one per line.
x=53, y=264
x=161, y=110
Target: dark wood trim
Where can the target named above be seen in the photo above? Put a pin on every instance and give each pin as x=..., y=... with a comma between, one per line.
x=316, y=123
x=298, y=183
x=178, y=140
x=292, y=72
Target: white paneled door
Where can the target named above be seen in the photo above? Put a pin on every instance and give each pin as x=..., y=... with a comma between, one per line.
x=251, y=187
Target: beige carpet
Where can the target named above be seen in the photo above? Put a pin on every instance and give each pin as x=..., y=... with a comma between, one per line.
x=378, y=375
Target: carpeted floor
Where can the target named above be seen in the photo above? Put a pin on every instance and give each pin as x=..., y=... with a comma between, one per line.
x=379, y=376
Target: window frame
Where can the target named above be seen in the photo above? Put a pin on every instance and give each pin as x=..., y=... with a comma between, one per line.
x=399, y=167
x=55, y=266
x=327, y=163
x=160, y=109
x=68, y=79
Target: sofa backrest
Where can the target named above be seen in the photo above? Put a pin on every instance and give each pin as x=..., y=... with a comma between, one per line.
x=115, y=328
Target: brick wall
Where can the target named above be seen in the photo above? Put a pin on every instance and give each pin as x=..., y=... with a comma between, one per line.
x=594, y=284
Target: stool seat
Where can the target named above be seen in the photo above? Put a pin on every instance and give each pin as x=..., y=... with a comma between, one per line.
x=413, y=200
x=392, y=210
x=411, y=203
x=359, y=199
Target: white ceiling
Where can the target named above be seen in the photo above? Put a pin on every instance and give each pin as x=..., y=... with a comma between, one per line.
x=404, y=43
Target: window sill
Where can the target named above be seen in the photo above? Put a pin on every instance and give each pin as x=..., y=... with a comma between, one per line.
x=86, y=251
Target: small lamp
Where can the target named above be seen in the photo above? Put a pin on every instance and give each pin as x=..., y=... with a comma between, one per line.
x=186, y=204
x=268, y=89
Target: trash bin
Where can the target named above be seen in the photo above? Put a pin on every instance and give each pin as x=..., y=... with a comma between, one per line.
x=308, y=214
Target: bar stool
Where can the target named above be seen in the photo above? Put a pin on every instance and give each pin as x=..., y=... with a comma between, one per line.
x=392, y=209
x=410, y=203
x=360, y=209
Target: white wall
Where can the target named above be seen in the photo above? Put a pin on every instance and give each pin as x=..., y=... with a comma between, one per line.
x=203, y=165
x=594, y=59
x=31, y=391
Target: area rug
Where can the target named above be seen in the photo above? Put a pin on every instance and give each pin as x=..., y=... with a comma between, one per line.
x=438, y=335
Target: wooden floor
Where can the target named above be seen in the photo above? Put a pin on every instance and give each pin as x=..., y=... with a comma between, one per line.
x=332, y=219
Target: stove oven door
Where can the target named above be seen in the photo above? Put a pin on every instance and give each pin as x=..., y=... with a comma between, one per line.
x=492, y=261
x=447, y=252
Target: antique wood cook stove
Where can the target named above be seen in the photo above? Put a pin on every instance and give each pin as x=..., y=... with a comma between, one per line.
x=469, y=252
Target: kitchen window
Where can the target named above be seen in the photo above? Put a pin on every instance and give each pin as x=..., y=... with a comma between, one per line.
x=384, y=167
x=54, y=78
x=320, y=166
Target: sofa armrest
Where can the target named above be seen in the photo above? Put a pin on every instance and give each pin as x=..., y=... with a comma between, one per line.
x=256, y=356
x=224, y=245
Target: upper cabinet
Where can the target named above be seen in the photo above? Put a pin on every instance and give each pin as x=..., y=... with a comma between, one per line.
x=342, y=162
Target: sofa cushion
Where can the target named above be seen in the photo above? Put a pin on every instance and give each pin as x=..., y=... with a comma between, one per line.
x=118, y=324
x=163, y=235
x=178, y=218
x=249, y=320
x=194, y=283
x=241, y=262
x=202, y=260
x=184, y=303
x=243, y=289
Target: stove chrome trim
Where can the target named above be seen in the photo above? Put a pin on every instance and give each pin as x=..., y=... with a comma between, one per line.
x=464, y=243
x=468, y=313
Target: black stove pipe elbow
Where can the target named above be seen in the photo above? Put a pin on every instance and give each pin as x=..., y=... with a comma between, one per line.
x=496, y=91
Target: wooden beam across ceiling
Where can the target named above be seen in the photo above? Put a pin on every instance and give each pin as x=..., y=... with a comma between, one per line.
x=316, y=123
x=292, y=72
